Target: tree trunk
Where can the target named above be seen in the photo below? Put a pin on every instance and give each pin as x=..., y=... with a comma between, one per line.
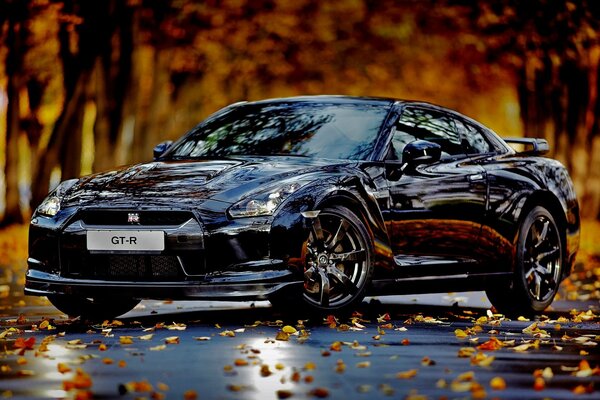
x=16, y=39
x=113, y=76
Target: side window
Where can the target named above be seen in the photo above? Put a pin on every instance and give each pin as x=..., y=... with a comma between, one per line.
x=473, y=139
x=423, y=124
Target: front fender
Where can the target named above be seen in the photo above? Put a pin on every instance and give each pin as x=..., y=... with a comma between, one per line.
x=290, y=230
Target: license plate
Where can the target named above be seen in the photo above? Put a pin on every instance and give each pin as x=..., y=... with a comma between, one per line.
x=125, y=241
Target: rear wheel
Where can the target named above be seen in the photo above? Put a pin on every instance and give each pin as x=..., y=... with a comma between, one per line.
x=538, y=267
x=92, y=308
x=338, y=261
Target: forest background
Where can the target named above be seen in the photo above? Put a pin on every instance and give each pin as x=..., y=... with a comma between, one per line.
x=89, y=85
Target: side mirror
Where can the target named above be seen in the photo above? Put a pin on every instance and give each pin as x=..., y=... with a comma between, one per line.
x=529, y=146
x=420, y=152
x=160, y=148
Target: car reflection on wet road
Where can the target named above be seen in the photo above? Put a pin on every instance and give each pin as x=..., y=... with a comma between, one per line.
x=402, y=347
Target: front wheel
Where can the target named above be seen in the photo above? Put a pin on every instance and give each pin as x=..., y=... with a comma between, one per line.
x=92, y=308
x=538, y=267
x=337, y=261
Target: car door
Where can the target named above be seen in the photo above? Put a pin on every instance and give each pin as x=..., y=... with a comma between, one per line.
x=436, y=209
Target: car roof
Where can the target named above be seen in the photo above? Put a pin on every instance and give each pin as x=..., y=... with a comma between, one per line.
x=339, y=99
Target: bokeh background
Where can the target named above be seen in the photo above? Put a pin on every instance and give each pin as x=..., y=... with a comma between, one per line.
x=92, y=84
x=89, y=85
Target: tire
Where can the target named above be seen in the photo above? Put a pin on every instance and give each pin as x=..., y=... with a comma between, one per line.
x=92, y=308
x=338, y=258
x=538, y=266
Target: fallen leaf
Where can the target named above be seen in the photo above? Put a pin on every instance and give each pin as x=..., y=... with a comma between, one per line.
x=482, y=360
x=459, y=333
x=24, y=344
x=81, y=380
x=176, y=327
x=492, y=345
x=190, y=395
x=363, y=364
x=146, y=337
x=426, y=361
x=289, y=329
x=126, y=340
x=63, y=368
x=172, y=340
x=539, y=384
x=466, y=352
x=158, y=348
x=336, y=346
x=319, y=392
x=284, y=394
x=406, y=374
x=498, y=383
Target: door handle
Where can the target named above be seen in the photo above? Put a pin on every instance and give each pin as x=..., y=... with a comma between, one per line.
x=476, y=177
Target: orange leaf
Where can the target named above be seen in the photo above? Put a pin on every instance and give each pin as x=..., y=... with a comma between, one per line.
x=539, y=384
x=25, y=344
x=190, y=395
x=407, y=374
x=63, y=368
x=492, y=344
x=498, y=383
x=81, y=381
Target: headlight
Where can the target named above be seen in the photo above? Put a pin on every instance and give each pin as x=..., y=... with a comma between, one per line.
x=264, y=202
x=51, y=204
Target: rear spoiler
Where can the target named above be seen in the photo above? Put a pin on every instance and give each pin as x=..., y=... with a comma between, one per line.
x=532, y=146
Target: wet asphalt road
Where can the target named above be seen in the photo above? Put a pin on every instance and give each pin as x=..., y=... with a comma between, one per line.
x=235, y=351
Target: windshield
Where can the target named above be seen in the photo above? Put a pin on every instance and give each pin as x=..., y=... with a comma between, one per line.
x=323, y=130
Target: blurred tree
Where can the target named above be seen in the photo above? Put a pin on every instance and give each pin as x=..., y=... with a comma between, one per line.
x=554, y=49
x=15, y=14
x=122, y=75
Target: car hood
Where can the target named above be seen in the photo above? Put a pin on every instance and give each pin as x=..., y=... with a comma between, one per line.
x=188, y=182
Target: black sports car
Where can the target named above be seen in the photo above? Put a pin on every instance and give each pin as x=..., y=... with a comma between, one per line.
x=316, y=201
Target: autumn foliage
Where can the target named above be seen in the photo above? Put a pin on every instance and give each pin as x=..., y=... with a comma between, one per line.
x=88, y=85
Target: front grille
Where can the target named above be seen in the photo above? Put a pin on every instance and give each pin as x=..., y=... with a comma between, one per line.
x=124, y=267
x=121, y=217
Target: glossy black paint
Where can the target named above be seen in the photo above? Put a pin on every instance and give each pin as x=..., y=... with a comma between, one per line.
x=438, y=222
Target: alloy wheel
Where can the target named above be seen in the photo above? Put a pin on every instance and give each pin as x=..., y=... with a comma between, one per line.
x=542, y=261
x=337, y=261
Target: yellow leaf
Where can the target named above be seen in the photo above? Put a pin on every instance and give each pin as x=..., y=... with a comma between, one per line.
x=466, y=352
x=289, y=329
x=309, y=366
x=459, y=333
x=126, y=340
x=498, y=383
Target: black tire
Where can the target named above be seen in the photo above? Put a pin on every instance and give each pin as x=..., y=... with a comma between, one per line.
x=92, y=308
x=538, y=267
x=338, y=266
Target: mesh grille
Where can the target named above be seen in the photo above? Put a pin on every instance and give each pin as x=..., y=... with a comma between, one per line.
x=126, y=267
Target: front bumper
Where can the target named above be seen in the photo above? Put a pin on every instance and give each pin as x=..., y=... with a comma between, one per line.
x=225, y=286
x=219, y=259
